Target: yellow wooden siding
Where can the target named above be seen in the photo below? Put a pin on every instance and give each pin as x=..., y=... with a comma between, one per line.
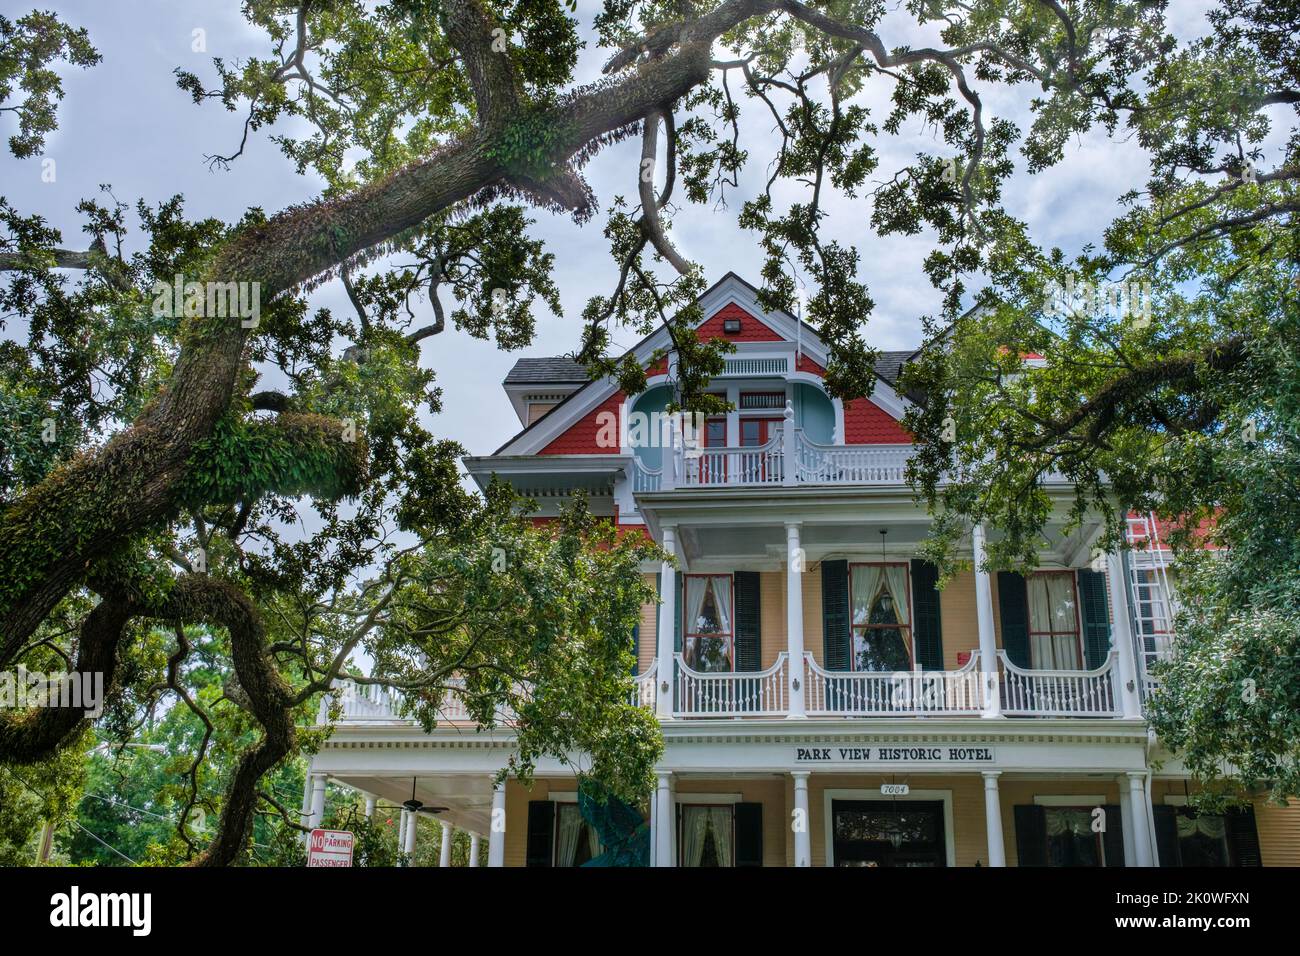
x=957, y=614
x=812, y=612
x=771, y=589
x=649, y=631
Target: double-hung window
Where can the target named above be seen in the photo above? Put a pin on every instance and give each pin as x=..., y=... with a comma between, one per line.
x=575, y=838
x=709, y=633
x=882, y=617
x=1071, y=840
x=1053, y=620
x=706, y=836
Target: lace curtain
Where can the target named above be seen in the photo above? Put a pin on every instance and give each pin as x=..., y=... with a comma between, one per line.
x=1052, y=608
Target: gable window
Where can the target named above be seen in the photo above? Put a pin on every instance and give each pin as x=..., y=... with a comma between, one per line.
x=708, y=632
x=706, y=835
x=1053, y=620
x=575, y=838
x=882, y=619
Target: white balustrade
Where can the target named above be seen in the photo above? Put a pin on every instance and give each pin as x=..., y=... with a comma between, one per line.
x=756, y=465
x=1059, y=693
x=893, y=693
x=731, y=693
x=643, y=694
x=850, y=464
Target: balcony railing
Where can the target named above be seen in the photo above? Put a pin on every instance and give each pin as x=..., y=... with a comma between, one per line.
x=733, y=694
x=757, y=465
x=886, y=694
x=850, y=464
x=1034, y=693
x=643, y=694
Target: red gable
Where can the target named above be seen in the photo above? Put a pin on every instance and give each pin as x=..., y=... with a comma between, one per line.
x=751, y=329
x=583, y=438
x=866, y=423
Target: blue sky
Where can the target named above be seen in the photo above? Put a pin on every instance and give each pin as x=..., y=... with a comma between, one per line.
x=126, y=123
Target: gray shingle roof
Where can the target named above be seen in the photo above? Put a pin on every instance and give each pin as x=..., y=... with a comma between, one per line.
x=555, y=369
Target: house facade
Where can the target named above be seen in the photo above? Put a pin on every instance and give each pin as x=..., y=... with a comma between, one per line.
x=822, y=702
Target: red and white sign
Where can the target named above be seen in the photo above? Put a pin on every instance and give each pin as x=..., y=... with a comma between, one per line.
x=330, y=848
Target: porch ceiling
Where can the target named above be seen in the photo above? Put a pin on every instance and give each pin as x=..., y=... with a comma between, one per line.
x=467, y=797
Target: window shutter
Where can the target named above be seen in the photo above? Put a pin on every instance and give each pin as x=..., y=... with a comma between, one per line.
x=636, y=648
x=1096, y=618
x=1166, y=823
x=927, y=629
x=680, y=613
x=835, y=614
x=1031, y=835
x=659, y=608
x=541, y=832
x=1243, y=838
x=749, y=834
x=749, y=646
x=1013, y=605
x=1113, y=838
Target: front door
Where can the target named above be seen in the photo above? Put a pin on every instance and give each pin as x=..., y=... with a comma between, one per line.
x=888, y=833
x=754, y=433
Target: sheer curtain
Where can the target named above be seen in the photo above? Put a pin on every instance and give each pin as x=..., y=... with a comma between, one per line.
x=1213, y=827
x=720, y=822
x=722, y=601
x=695, y=824
x=568, y=829
x=866, y=582
x=896, y=581
x=696, y=588
x=1051, y=608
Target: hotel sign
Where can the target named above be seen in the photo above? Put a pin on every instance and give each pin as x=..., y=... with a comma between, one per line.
x=901, y=753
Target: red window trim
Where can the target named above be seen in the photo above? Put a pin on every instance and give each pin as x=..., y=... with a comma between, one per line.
x=911, y=648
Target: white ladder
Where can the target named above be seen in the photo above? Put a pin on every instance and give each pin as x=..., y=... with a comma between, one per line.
x=1153, y=600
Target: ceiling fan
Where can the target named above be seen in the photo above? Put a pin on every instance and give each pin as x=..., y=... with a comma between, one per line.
x=415, y=805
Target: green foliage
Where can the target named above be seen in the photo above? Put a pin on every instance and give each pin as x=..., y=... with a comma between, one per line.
x=28, y=46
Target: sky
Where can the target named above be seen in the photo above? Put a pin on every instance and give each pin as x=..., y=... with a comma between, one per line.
x=126, y=123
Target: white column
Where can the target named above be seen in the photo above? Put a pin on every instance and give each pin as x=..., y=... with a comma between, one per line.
x=411, y=829
x=1140, y=813
x=801, y=822
x=1126, y=822
x=1122, y=637
x=789, y=450
x=667, y=628
x=444, y=849
x=401, y=830
x=993, y=819
x=794, y=565
x=984, y=619
x=317, y=801
x=473, y=849
x=497, y=835
x=370, y=807
x=664, y=818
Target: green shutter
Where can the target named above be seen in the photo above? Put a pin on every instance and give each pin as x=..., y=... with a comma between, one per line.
x=749, y=647
x=927, y=629
x=1096, y=618
x=541, y=832
x=1113, y=838
x=1031, y=835
x=680, y=612
x=1243, y=838
x=835, y=615
x=1014, y=608
x=749, y=834
x=636, y=648
x=659, y=608
x=1166, y=824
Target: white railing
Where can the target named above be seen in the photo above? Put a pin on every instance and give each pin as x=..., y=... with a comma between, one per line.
x=893, y=693
x=757, y=465
x=374, y=703
x=646, y=479
x=850, y=464
x=773, y=365
x=732, y=694
x=643, y=695
x=1152, y=599
x=1035, y=693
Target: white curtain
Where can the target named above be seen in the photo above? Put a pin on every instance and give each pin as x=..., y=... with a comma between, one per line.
x=866, y=582
x=1211, y=826
x=696, y=588
x=1052, y=608
x=695, y=824
x=568, y=829
x=896, y=581
x=720, y=822
x=1077, y=822
x=722, y=601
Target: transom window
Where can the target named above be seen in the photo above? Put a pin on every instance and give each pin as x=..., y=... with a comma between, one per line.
x=882, y=618
x=708, y=632
x=1053, y=620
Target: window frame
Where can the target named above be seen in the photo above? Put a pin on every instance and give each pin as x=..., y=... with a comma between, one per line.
x=730, y=635
x=908, y=641
x=680, y=845
x=1078, y=620
x=1098, y=838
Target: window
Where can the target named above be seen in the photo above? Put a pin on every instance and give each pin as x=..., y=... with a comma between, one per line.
x=1202, y=838
x=1053, y=620
x=882, y=631
x=1070, y=838
x=575, y=838
x=708, y=629
x=706, y=835
x=758, y=431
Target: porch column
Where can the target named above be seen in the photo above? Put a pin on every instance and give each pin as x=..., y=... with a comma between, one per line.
x=370, y=807
x=444, y=848
x=401, y=830
x=984, y=619
x=497, y=834
x=663, y=819
x=1122, y=638
x=993, y=819
x=794, y=563
x=1140, y=814
x=667, y=628
x=801, y=821
x=1126, y=823
x=411, y=828
x=317, y=801
x=473, y=849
